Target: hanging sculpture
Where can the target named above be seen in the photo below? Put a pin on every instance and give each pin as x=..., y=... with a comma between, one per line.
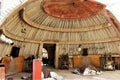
x=4, y=39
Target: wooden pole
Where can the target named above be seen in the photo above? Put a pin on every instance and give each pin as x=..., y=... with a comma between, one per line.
x=40, y=51
x=57, y=55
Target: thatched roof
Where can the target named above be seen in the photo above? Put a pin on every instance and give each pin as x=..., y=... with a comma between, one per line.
x=31, y=22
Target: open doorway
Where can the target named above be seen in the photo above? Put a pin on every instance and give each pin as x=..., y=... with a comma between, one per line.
x=15, y=51
x=51, y=54
x=85, y=52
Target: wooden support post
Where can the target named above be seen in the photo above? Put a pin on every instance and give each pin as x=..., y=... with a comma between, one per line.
x=56, y=55
x=40, y=51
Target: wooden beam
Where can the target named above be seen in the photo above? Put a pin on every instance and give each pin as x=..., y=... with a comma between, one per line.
x=49, y=28
x=57, y=55
x=40, y=51
x=18, y=38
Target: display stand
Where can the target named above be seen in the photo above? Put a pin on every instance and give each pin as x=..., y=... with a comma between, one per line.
x=37, y=69
x=2, y=72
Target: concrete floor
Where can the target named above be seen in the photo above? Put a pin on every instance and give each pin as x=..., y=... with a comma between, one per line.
x=68, y=75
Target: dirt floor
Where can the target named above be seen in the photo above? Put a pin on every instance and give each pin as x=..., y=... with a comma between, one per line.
x=68, y=75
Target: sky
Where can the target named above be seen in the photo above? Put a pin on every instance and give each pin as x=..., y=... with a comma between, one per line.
x=7, y=6
x=113, y=6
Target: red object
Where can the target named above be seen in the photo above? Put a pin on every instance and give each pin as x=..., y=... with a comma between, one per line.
x=37, y=69
x=2, y=72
